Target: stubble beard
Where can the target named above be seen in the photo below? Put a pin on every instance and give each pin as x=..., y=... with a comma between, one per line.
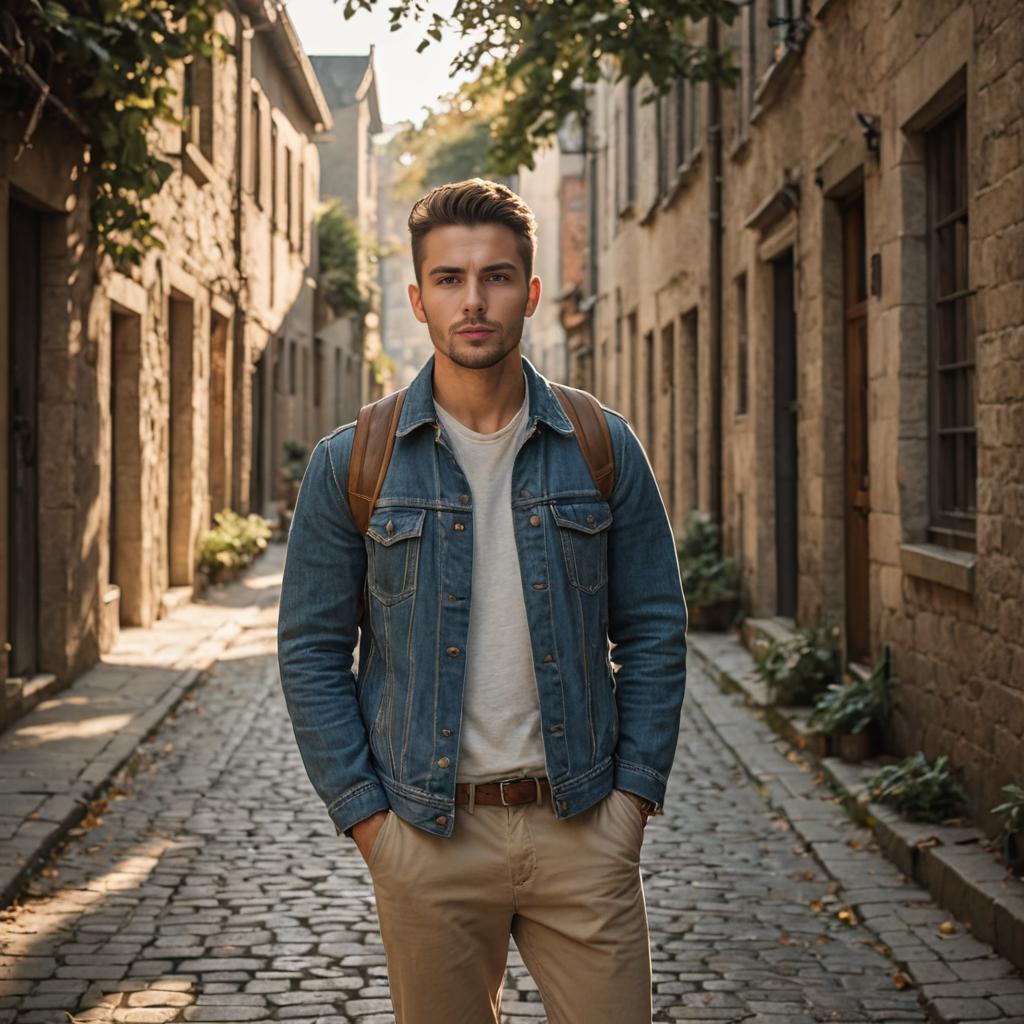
x=474, y=355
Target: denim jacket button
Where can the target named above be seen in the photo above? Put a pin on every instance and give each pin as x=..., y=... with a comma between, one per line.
x=452, y=651
x=549, y=657
x=463, y=498
x=443, y=762
x=441, y=820
x=446, y=732
x=459, y=526
x=535, y=520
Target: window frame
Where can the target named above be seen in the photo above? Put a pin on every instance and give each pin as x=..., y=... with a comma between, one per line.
x=950, y=524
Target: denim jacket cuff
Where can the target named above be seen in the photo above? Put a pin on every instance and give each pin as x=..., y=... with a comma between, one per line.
x=640, y=780
x=357, y=805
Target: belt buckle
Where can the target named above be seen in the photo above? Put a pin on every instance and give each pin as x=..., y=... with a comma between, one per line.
x=524, y=778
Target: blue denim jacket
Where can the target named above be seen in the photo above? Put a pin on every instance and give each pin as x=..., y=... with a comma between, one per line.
x=592, y=571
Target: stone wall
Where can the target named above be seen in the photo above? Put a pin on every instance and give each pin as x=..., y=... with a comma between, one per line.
x=794, y=154
x=145, y=377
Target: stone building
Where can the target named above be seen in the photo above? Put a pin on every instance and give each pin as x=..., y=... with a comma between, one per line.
x=808, y=297
x=555, y=190
x=130, y=404
x=404, y=338
x=351, y=342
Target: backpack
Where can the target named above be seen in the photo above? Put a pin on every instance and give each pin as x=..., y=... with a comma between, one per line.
x=375, y=439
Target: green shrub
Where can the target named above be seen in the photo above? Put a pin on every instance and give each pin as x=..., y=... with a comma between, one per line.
x=1012, y=809
x=799, y=669
x=232, y=544
x=707, y=577
x=848, y=708
x=920, y=790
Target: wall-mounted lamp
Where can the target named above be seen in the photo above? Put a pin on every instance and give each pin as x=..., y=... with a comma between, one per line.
x=869, y=126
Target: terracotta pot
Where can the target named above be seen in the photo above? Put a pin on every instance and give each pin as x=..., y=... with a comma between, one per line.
x=854, y=747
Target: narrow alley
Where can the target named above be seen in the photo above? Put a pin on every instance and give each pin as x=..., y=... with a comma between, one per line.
x=210, y=885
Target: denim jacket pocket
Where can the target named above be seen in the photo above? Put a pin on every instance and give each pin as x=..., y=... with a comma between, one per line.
x=393, y=553
x=583, y=530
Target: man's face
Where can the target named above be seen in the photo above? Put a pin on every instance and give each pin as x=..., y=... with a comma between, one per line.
x=474, y=294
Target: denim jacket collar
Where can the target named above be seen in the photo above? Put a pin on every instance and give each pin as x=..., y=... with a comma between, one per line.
x=418, y=407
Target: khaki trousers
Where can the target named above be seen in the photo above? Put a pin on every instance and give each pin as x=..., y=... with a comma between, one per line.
x=569, y=892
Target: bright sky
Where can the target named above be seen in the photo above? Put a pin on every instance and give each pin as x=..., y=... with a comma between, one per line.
x=406, y=80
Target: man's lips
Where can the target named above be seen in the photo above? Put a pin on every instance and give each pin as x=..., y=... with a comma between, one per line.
x=475, y=332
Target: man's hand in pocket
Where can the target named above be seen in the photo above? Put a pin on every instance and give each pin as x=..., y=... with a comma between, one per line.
x=365, y=832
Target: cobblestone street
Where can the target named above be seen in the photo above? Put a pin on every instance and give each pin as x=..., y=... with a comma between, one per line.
x=213, y=887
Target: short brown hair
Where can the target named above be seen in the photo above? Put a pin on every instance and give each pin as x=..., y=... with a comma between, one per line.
x=470, y=202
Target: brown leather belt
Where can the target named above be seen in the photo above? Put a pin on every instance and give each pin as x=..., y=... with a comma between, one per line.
x=505, y=793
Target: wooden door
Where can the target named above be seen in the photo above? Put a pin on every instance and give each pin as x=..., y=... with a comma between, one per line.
x=785, y=421
x=857, y=495
x=23, y=549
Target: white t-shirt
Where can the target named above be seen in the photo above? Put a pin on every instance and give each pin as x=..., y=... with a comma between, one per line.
x=501, y=732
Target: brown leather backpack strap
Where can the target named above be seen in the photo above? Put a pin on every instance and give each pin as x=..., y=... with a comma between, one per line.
x=587, y=418
x=371, y=454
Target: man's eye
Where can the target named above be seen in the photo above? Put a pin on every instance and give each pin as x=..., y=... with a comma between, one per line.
x=443, y=279
x=500, y=277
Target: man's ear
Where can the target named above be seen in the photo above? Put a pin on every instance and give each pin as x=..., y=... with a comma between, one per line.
x=532, y=295
x=416, y=301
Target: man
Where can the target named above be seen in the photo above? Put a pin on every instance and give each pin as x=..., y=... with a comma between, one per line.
x=492, y=577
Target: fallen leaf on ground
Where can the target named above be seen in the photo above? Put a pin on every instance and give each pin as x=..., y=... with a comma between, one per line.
x=900, y=980
x=947, y=928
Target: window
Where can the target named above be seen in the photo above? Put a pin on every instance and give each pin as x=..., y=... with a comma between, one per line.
x=742, y=348
x=273, y=172
x=647, y=400
x=668, y=388
x=301, y=185
x=257, y=145
x=289, y=190
x=617, y=369
x=952, y=440
x=782, y=21
x=661, y=114
x=277, y=370
x=631, y=143
x=687, y=121
x=626, y=141
x=198, y=104
x=634, y=368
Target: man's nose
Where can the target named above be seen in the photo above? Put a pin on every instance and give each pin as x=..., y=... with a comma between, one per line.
x=473, y=301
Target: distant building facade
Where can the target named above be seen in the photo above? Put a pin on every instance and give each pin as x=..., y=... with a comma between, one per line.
x=806, y=297
x=404, y=338
x=135, y=411
x=351, y=343
x=555, y=190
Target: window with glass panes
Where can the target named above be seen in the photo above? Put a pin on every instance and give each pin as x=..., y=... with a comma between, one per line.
x=952, y=440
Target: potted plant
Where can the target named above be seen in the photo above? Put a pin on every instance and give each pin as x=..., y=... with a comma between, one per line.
x=919, y=789
x=231, y=545
x=1012, y=810
x=849, y=711
x=711, y=583
x=799, y=669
